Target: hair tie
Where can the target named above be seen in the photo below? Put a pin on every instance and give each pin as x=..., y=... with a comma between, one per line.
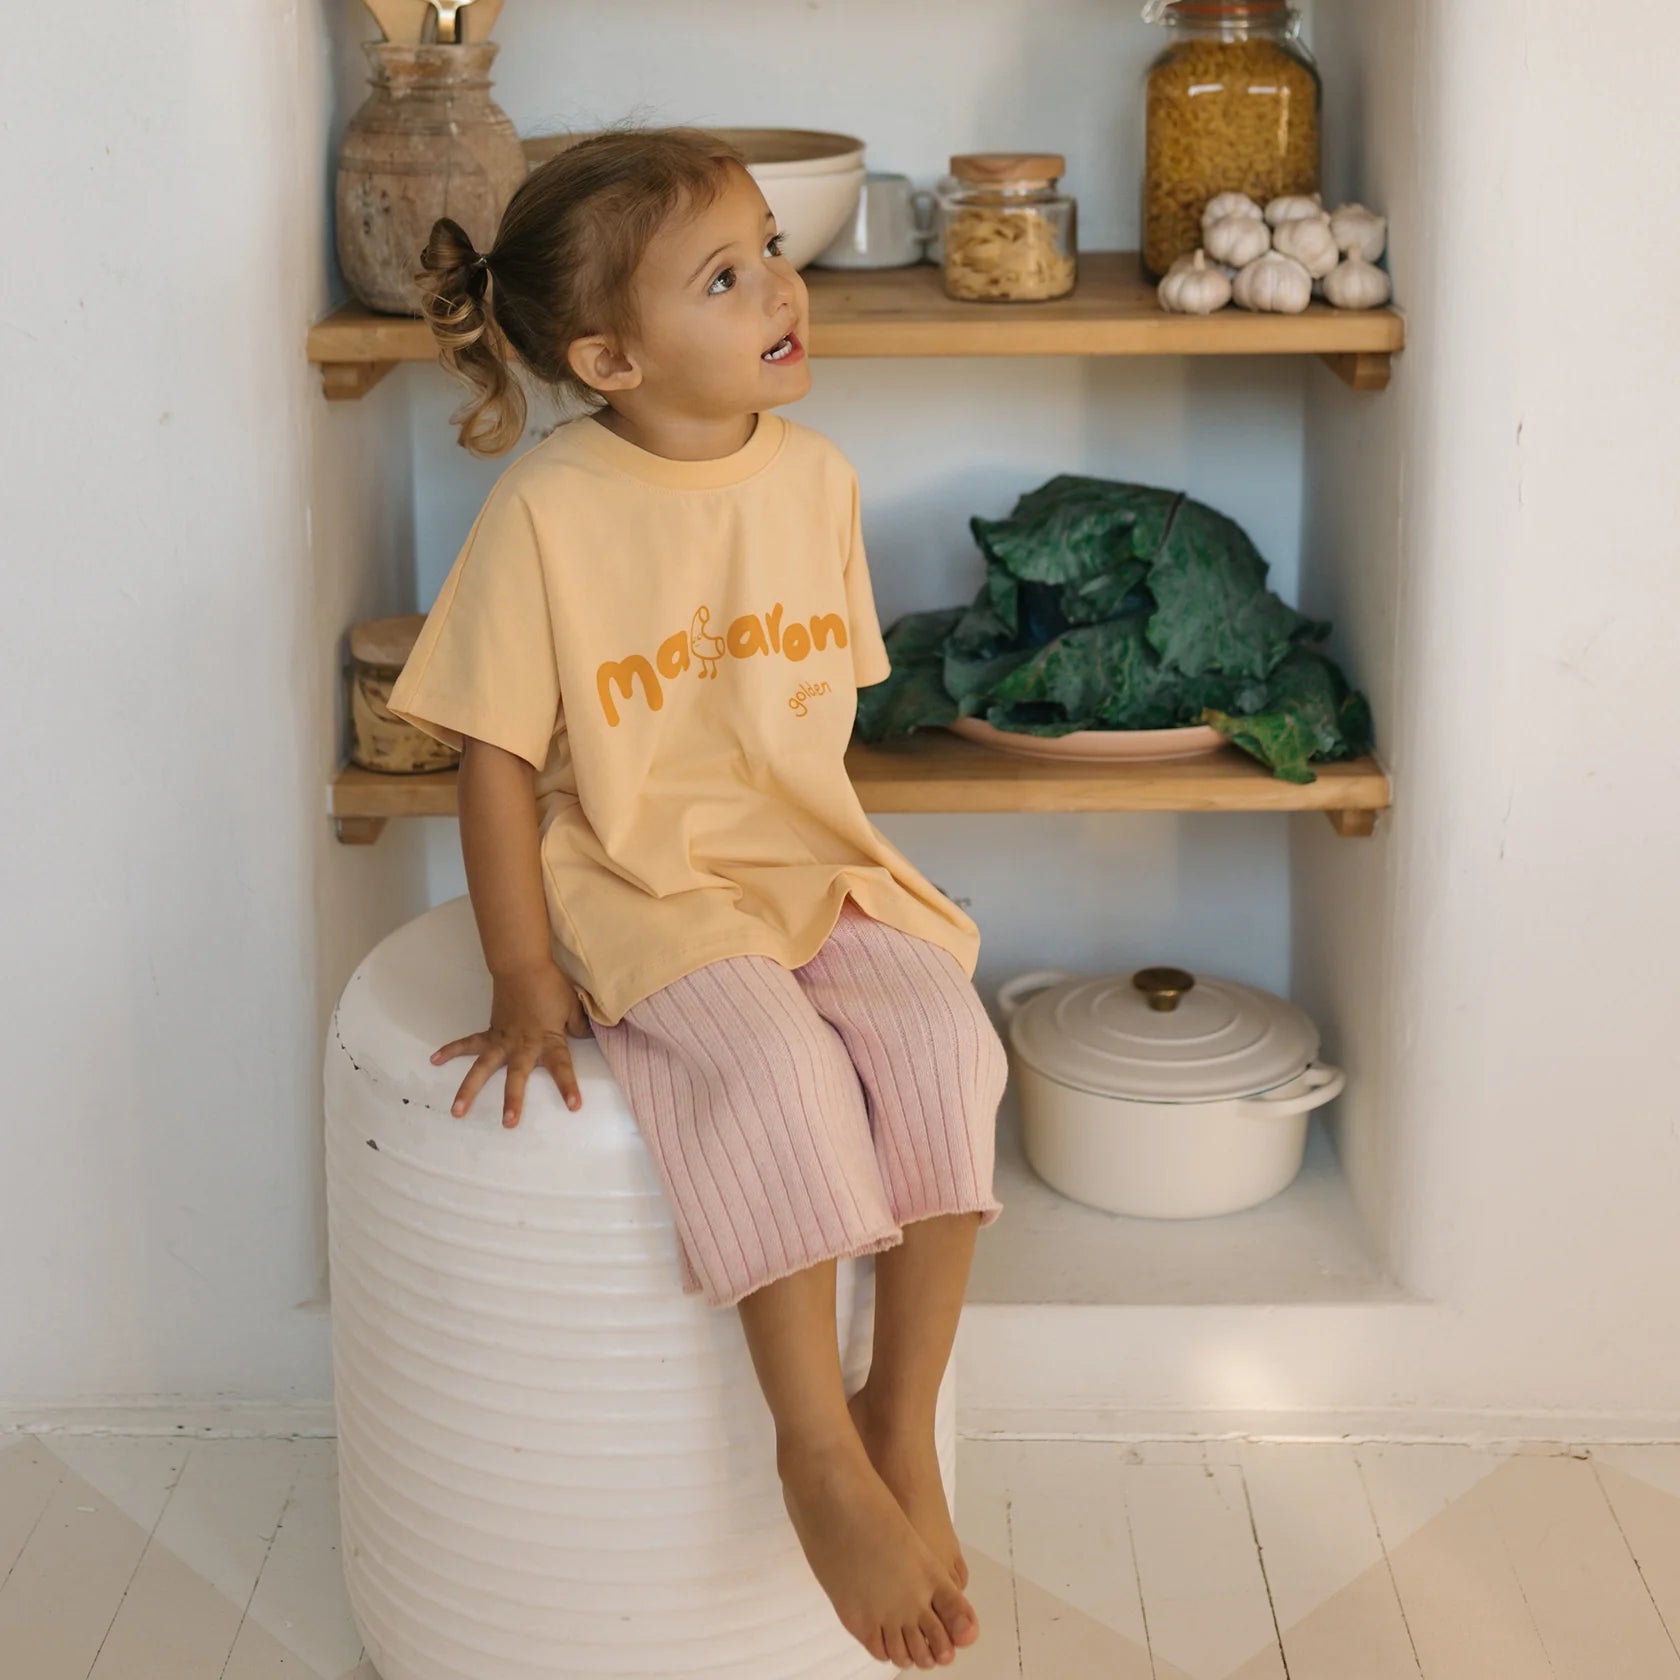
x=480, y=262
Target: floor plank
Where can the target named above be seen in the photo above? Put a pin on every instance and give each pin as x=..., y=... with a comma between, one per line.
x=1595, y=1617
x=1076, y=1583
x=1334, y=1597
x=298, y=1612
x=1642, y=1485
x=1204, y=1597
x=984, y=1469
x=187, y=1599
x=1464, y=1605
x=67, y=1584
x=29, y=1476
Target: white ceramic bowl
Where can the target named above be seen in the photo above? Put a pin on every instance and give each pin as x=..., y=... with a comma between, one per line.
x=811, y=209
x=811, y=179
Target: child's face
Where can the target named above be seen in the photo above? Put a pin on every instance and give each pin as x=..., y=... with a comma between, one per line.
x=715, y=294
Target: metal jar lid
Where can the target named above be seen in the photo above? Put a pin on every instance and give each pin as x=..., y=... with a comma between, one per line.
x=1164, y=1035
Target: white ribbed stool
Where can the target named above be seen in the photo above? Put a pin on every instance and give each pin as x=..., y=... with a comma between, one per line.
x=553, y=1465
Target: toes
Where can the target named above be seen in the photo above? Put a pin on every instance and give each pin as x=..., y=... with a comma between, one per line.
x=957, y=1614
x=938, y=1640
x=872, y=1642
x=896, y=1653
x=917, y=1646
x=959, y=1570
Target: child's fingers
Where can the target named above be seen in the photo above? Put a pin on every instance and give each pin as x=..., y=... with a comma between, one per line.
x=513, y=1098
x=476, y=1076
x=458, y=1047
x=558, y=1061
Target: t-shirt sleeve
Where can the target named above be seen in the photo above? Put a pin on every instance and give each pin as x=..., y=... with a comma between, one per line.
x=870, y=662
x=484, y=663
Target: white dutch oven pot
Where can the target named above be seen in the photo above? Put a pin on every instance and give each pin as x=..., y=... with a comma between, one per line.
x=1163, y=1093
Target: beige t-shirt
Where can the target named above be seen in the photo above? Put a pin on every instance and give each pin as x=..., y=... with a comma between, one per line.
x=676, y=648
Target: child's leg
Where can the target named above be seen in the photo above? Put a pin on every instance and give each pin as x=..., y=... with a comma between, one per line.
x=933, y=1070
x=753, y=1115
x=755, y=1119
x=887, y=1587
x=919, y=1289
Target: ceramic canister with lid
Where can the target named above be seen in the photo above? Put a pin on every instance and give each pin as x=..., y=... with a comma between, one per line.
x=1162, y=1093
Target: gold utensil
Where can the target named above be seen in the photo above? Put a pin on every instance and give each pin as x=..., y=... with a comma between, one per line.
x=477, y=24
x=448, y=19
x=401, y=20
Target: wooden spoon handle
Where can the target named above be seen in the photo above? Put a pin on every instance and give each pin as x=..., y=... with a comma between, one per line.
x=401, y=20
x=476, y=24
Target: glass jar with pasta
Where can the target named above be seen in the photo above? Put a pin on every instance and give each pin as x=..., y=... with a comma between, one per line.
x=1007, y=235
x=1231, y=105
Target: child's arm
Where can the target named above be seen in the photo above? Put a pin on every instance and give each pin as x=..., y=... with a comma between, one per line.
x=534, y=1005
x=498, y=814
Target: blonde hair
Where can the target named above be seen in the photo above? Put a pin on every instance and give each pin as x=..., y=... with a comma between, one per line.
x=560, y=268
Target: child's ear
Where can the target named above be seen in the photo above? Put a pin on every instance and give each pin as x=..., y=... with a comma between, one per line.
x=601, y=366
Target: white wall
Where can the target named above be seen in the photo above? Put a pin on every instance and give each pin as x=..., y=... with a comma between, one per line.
x=1500, y=532
x=189, y=529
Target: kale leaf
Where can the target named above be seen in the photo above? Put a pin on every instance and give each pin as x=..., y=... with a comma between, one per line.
x=1109, y=605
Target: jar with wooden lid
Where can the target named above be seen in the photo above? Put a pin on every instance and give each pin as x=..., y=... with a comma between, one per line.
x=379, y=648
x=1007, y=235
x=1230, y=105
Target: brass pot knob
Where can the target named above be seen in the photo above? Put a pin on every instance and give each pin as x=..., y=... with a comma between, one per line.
x=1163, y=987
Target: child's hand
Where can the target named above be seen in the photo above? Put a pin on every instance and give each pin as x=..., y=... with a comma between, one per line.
x=530, y=1017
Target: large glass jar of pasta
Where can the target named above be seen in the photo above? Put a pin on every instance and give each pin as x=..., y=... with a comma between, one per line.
x=1007, y=235
x=1230, y=105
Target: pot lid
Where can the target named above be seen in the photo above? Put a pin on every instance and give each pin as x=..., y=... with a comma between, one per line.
x=1164, y=1035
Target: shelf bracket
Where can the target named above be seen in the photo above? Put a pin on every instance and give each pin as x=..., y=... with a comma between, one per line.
x=1363, y=370
x=346, y=381
x=358, y=831
x=1353, y=825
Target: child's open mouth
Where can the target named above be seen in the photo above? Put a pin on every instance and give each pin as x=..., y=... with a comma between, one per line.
x=787, y=349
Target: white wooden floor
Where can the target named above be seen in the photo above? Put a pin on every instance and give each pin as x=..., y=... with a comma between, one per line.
x=151, y=1558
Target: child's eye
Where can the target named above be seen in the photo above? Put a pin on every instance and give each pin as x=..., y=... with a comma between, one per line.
x=774, y=239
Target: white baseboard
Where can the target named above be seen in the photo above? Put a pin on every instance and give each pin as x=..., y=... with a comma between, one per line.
x=154, y=1417
x=312, y=1419
x=1469, y=1428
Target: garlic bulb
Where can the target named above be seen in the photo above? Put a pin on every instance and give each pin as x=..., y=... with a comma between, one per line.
x=1293, y=208
x=1310, y=242
x=1355, y=284
x=1359, y=229
x=1229, y=204
x=1237, y=240
x=1275, y=283
x=1193, y=286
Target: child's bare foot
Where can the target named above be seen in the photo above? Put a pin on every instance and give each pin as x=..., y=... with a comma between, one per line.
x=909, y=1465
x=890, y=1592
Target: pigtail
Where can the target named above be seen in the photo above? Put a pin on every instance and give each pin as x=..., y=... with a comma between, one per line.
x=455, y=282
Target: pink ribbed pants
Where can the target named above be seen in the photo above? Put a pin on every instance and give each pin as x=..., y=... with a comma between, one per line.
x=806, y=1114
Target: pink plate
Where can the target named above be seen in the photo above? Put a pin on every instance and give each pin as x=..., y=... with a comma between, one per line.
x=1094, y=745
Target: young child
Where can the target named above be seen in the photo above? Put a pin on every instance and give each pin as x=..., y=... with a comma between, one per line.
x=648, y=652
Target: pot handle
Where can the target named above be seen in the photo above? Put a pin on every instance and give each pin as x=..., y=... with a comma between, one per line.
x=1011, y=992
x=1325, y=1084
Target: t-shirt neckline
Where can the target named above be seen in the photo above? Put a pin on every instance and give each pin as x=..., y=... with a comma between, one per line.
x=671, y=474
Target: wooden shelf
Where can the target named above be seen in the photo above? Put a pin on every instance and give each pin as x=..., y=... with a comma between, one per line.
x=935, y=771
x=904, y=312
